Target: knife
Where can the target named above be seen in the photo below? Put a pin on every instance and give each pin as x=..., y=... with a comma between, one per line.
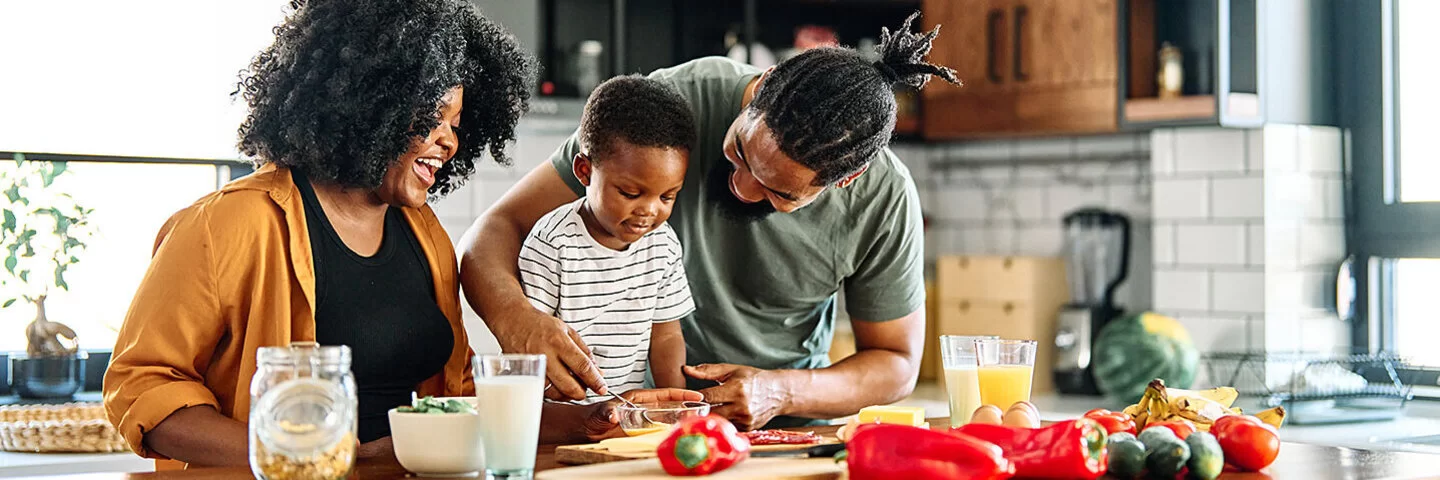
x=818, y=451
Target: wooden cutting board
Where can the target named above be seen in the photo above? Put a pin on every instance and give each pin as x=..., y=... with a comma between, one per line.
x=594, y=453
x=778, y=468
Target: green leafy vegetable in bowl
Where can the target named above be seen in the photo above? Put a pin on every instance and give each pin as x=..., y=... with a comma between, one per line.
x=432, y=405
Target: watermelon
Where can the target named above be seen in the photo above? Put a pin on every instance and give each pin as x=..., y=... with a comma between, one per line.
x=1131, y=351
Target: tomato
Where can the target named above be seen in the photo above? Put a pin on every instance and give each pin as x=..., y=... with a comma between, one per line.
x=1182, y=427
x=1247, y=442
x=1114, y=422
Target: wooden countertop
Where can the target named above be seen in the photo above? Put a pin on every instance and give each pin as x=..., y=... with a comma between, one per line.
x=1296, y=460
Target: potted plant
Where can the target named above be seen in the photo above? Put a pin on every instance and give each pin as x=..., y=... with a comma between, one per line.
x=42, y=234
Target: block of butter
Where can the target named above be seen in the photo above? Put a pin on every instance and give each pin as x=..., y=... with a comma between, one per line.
x=912, y=416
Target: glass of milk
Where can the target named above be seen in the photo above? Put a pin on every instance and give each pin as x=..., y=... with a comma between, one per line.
x=508, y=393
x=962, y=379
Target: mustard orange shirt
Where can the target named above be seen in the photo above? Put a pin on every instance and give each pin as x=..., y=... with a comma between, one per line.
x=230, y=274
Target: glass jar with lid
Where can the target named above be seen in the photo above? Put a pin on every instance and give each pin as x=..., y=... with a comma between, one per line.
x=303, y=413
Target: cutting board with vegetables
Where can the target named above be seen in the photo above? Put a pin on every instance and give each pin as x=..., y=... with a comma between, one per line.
x=778, y=468
x=643, y=447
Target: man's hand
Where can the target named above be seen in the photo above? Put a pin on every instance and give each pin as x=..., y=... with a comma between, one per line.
x=750, y=396
x=604, y=422
x=568, y=365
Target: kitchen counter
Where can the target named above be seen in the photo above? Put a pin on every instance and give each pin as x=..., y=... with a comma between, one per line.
x=1296, y=461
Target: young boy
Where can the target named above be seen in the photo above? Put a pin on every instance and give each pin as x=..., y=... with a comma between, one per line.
x=607, y=264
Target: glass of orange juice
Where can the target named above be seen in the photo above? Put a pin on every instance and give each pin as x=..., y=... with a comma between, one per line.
x=1006, y=368
x=962, y=385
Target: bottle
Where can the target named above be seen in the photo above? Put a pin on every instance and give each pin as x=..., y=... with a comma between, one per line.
x=304, y=412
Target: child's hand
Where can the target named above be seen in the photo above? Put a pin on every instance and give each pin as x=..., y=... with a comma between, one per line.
x=604, y=422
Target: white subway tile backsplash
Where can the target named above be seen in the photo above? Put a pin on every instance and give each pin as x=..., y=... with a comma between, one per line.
x=457, y=203
x=988, y=150
x=1255, y=150
x=1287, y=195
x=962, y=203
x=1283, y=291
x=1281, y=149
x=1215, y=333
x=1054, y=148
x=1255, y=235
x=1317, y=290
x=1317, y=197
x=1282, y=244
x=1210, y=244
x=1164, y=244
x=1129, y=198
x=1030, y=203
x=1182, y=290
x=1063, y=199
x=1044, y=241
x=1106, y=145
x=1237, y=198
x=1324, y=334
x=1282, y=332
x=1334, y=192
x=1319, y=149
x=1238, y=291
x=487, y=192
x=1162, y=151
x=1209, y=150
x=1181, y=199
x=1321, y=244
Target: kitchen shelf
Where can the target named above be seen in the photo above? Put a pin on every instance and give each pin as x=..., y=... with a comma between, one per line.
x=1161, y=110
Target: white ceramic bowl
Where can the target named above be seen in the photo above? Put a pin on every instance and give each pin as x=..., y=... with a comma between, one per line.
x=438, y=444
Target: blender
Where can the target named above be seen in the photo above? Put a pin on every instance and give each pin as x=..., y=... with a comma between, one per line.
x=1097, y=256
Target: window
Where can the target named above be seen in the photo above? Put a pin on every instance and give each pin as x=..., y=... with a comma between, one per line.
x=131, y=202
x=1386, y=104
x=1417, y=146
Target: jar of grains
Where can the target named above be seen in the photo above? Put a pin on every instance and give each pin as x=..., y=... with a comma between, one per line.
x=303, y=413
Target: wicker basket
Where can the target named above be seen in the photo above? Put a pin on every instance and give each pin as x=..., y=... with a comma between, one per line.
x=70, y=427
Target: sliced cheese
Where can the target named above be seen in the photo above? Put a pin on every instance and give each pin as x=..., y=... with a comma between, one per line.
x=643, y=443
x=912, y=416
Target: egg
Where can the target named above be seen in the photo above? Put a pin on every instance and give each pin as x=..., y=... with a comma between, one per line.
x=1020, y=416
x=987, y=415
x=1034, y=412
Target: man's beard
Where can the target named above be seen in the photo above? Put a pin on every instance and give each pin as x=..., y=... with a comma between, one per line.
x=732, y=208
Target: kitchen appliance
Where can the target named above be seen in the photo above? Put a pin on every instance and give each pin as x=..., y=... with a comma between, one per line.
x=1097, y=256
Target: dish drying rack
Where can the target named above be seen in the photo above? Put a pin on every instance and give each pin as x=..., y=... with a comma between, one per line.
x=1317, y=388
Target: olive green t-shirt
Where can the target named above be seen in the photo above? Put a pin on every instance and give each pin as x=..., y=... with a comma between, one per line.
x=765, y=290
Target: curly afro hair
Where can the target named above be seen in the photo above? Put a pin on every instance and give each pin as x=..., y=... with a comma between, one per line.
x=831, y=110
x=639, y=110
x=349, y=84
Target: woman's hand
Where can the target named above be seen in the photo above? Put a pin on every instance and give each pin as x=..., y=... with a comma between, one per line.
x=604, y=422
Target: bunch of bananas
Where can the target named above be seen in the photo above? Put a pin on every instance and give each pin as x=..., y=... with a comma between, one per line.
x=1201, y=407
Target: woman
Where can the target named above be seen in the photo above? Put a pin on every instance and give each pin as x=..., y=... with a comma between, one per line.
x=358, y=112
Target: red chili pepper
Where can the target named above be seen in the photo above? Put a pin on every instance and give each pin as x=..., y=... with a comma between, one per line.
x=702, y=446
x=1073, y=449
x=1114, y=422
x=883, y=451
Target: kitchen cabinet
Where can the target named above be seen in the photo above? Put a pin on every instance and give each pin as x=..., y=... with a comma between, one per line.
x=1030, y=67
x=1245, y=63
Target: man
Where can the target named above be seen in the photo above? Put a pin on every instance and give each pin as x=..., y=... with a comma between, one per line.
x=791, y=195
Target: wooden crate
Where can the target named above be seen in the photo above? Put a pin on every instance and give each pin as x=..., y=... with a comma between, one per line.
x=1012, y=297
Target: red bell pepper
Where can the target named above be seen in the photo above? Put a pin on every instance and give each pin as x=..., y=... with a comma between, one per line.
x=884, y=451
x=1072, y=449
x=1114, y=422
x=702, y=446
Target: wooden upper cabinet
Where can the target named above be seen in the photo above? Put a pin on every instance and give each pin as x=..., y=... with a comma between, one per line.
x=1030, y=67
